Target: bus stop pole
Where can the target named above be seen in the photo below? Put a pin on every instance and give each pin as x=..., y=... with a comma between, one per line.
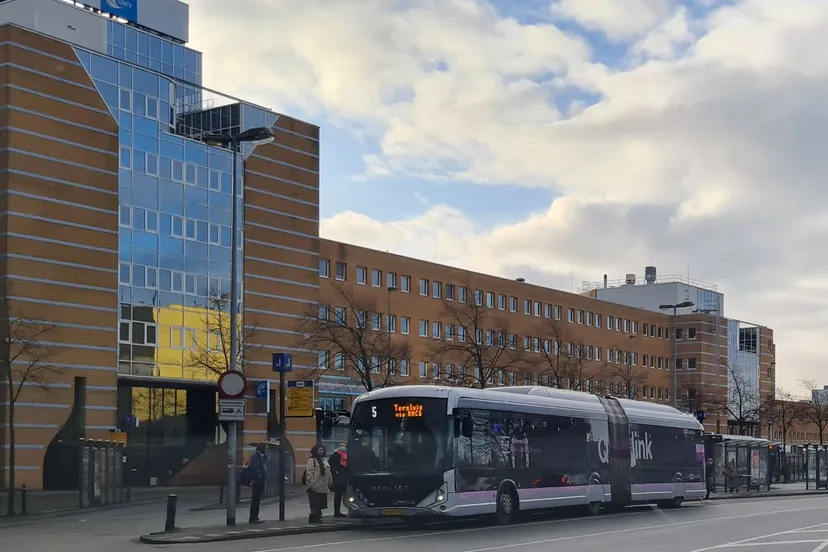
x=282, y=423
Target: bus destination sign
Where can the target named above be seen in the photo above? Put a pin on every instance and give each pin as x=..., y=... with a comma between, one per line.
x=409, y=410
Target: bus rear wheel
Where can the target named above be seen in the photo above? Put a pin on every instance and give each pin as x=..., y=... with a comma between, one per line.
x=507, y=507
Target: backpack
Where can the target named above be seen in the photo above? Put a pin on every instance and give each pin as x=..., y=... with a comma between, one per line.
x=246, y=476
x=305, y=477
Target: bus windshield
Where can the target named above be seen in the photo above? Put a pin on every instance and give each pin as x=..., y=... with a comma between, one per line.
x=398, y=435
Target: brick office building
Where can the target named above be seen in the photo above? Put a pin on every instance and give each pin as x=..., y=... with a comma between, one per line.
x=116, y=231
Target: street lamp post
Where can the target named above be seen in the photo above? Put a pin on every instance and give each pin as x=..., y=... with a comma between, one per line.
x=388, y=360
x=255, y=136
x=683, y=305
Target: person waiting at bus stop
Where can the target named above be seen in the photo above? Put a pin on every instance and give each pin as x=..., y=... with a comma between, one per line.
x=319, y=481
x=257, y=475
x=339, y=464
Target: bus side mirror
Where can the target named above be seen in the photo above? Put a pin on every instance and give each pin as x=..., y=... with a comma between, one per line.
x=467, y=427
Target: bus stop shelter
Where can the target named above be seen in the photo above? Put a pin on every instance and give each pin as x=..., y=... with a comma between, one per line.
x=750, y=455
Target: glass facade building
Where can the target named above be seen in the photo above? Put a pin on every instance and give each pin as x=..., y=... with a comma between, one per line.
x=175, y=197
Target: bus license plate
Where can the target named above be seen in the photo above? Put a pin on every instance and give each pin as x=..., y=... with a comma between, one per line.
x=392, y=512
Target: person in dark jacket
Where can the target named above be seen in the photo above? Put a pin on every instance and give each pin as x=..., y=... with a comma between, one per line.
x=710, y=472
x=339, y=463
x=257, y=467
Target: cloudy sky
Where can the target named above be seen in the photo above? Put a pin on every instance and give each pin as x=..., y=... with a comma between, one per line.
x=561, y=140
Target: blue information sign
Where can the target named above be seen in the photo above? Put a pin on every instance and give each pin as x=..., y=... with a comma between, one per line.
x=125, y=9
x=282, y=363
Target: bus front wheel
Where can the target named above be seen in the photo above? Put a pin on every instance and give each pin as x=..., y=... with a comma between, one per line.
x=507, y=506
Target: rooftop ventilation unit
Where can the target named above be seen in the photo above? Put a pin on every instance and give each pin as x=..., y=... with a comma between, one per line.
x=650, y=274
x=630, y=279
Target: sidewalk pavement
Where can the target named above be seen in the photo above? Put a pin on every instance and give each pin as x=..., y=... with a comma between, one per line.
x=296, y=522
x=777, y=489
x=40, y=503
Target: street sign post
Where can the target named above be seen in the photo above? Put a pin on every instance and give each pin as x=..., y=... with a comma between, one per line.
x=282, y=363
x=231, y=386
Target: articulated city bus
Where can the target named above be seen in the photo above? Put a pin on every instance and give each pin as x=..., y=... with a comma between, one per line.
x=418, y=451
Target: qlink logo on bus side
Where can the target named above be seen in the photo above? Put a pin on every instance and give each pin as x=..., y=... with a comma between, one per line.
x=641, y=447
x=119, y=4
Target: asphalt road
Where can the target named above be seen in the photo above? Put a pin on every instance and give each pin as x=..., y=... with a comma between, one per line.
x=779, y=525
x=796, y=524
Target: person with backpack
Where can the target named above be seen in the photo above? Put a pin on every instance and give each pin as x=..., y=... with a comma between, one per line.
x=254, y=475
x=318, y=478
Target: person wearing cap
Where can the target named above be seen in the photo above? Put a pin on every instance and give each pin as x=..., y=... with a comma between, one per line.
x=339, y=464
x=258, y=475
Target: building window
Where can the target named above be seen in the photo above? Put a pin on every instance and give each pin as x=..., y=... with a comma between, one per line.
x=376, y=277
x=610, y=320
x=138, y=333
x=324, y=360
x=513, y=304
x=391, y=323
x=691, y=363
x=376, y=322
x=450, y=292
x=538, y=308
x=570, y=315
x=449, y=332
x=436, y=330
x=691, y=333
x=527, y=307
x=589, y=319
x=547, y=311
x=423, y=328
x=405, y=283
x=598, y=354
x=478, y=297
x=501, y=302
x=461, y=333
x=339, y=315
x=405, y=323
x=667, y=334
x=635, y=327
x=435, y=370
x=423, y=287
x=423, y=369
x=490, y=300
x=558, y=312
x=646, y=330
x=391, y=280
x=404, y=367
x=678, y=333
x=580, y=317
x=626, y=326
x=678, y=363
x=341, y=271
x=617, y=324
x=323, y=312
x=437, y=289
x=339, y=361
x=324, y=268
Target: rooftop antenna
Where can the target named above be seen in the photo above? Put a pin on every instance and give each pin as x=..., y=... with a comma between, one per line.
x=687, y=287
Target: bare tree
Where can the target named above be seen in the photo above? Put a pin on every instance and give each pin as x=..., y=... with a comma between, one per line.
x=740, y=402
x=693, y=397
x=476, y=340
x=211, y=343
x=568, y=364
x=816, y=411
x=25, y=361
x=356, y=333
x=783, y=411
x=626, y=376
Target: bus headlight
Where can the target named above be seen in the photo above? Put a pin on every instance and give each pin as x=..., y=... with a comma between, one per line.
x=442, y=495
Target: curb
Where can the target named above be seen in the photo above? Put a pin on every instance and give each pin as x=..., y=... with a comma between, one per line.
x=761, y=494
x=158, y=538
x=6, y=520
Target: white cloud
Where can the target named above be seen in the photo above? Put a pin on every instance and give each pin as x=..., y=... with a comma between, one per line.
x=618, y=19
x=711, y=155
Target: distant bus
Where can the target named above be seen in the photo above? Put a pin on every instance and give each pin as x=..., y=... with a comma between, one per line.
x=429, y=451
